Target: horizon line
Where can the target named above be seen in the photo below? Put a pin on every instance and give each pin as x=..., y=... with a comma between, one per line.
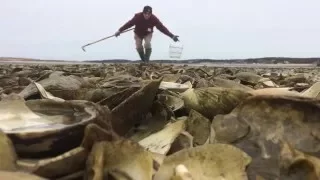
x=175, y=59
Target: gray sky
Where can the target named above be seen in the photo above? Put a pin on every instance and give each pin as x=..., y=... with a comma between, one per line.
x=56, y=29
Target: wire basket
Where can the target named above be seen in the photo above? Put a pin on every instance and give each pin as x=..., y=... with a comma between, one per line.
x=175, y=50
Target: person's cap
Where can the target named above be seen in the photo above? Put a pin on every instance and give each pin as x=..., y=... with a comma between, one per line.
x=147, y=9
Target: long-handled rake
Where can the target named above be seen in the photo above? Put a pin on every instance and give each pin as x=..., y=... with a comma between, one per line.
x=103, y=39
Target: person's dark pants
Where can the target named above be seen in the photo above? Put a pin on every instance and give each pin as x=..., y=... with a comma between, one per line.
x=144, y=56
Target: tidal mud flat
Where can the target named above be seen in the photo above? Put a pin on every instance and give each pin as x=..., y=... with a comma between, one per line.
x=159, y=121
x=252, y=65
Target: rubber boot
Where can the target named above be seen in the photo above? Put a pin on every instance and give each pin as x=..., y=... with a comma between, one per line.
x=141, y=54
x=148, y=54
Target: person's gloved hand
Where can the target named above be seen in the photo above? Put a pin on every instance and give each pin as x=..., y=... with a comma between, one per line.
x=117, y=33
x=175, y=38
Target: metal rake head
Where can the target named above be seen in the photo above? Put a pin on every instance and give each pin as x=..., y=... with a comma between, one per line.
x=83, y=48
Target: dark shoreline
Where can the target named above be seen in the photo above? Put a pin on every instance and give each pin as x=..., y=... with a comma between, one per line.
x=295, y=63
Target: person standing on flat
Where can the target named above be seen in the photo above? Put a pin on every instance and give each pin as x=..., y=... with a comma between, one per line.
x=144, y=22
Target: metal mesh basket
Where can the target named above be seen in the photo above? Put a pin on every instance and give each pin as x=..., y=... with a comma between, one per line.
x=175, y=50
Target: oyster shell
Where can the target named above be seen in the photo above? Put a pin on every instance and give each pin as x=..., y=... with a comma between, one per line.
x=128, y=112
x=261, y=123
x=212, y=101
x=40, y=128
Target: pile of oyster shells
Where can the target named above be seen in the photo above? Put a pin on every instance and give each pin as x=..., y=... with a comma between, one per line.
x=158, y=121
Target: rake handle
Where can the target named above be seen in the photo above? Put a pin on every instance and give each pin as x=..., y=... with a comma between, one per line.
x=104, y=39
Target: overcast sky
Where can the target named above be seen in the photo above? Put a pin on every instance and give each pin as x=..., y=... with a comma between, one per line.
x=217, y=29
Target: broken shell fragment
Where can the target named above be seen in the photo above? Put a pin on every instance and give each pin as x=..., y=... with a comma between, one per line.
x=160, y=142
x=298, y=165
x=58, y=166
x=275, y=91
x=173, y=102
x=199, y=127
x=175, y=87
x=226, y=83
x=248, y=78
x=210, y=161
x=313, y=91
x=57, y=86
x=121, y=159
x=7, y=154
